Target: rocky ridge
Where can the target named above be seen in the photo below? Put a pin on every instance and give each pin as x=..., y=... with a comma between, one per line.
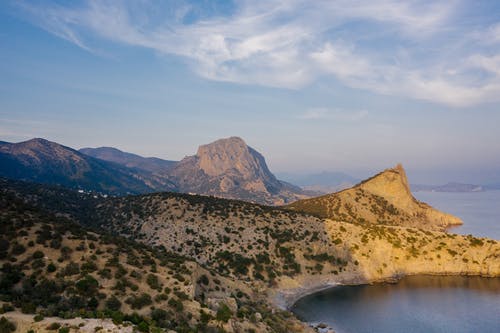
x=43, y=161
x=110, y=154
x=385, y=198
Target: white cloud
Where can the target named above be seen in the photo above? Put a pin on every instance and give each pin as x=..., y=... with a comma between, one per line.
x=290, y=44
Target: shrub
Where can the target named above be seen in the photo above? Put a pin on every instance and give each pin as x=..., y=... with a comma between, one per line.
x=176, y=304
x=54, y=326
x=138, y=302
x=88, y=285
x=51, y=268
x=153, y=282
x=6, y=326
x=203, y=280
x=223, y=313
x=18, y=249
x=38, y=255
x=113, y=304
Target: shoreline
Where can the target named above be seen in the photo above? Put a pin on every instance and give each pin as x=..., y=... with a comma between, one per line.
x=285, y=299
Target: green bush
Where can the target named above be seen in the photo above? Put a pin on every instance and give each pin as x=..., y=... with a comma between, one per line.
x=54, y=326
x=223, y=313
x=152, y=281
x=113, y=303
x=51, y=268
x=38, y=318
x=87, y=286
x=38, y=255
x=6, y=326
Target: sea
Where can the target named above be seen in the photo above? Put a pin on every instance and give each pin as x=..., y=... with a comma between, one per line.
x=420, y=304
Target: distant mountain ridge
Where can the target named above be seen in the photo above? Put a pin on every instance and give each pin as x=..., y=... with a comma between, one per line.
x=323, y=182
x=110, y=154
x=449, y=187
x=43, y=161
x=226, y=168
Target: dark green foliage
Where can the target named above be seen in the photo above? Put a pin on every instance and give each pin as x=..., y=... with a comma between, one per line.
x=54, y=326
x=113, y=304
x=203, y=280
x=223, y=313
x=6, y=326
x=71, y=269
x=87, y=286
x=176, y=304
x=18, y=249
x=138, y=302
x=51, y=268
x=38, y=254
x=238, y=263
x=153, y=282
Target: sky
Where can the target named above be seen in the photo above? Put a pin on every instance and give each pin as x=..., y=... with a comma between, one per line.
x=352, y=86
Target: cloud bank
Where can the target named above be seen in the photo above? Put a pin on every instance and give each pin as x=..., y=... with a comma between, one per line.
x=413, y=49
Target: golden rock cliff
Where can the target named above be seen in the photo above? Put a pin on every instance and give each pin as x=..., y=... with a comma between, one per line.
x=382, y=199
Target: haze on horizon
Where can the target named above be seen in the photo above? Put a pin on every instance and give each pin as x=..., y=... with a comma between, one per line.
x=353, y=86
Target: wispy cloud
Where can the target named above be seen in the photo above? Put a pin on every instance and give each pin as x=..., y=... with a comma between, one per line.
x=290, y=44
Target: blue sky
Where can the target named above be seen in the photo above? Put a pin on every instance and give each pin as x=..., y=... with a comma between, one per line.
x=354, y=86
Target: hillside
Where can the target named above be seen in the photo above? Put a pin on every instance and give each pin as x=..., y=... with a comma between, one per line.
x=47, y=162
x=382, y=199
x=271, y=247
x=229, y=168
x=110, y=154
x=52, y=267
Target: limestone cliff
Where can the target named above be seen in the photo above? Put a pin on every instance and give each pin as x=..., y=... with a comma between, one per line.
x=383, y=199
x=231, y=169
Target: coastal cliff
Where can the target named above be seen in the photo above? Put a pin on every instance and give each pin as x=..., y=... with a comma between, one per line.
x=385, y=199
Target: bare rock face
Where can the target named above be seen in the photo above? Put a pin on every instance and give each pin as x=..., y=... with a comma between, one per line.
x=231, y=169
x=383, y=199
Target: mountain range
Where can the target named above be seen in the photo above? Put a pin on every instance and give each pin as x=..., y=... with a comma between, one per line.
x=226, y=168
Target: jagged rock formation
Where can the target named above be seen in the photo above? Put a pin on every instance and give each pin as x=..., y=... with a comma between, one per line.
x=110, y=154
x=229, y=168
x=44, y=161
x=382, y=199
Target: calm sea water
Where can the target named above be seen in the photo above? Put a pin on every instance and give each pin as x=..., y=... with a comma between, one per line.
x=480, y=211
x=420, y=304
x=416, y=304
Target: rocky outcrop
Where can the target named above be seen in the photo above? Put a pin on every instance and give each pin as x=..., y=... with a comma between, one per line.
x=382, y=199
x=229, y=168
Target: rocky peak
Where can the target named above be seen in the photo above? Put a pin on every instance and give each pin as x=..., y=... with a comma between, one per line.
x=231, y=169
x=232, y=155
x=391, y=184
x=382, y=199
